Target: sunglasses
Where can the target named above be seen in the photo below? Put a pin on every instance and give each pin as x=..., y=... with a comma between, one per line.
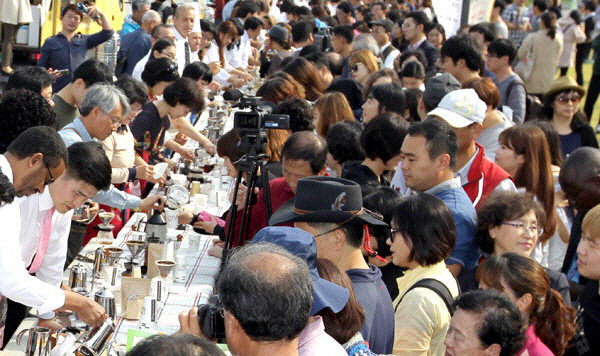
x=564, y=98
x=354, y=68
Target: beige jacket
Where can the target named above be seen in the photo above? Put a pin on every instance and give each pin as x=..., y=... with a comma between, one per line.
x=119, y=148
x=546, y=52
x=422, y=318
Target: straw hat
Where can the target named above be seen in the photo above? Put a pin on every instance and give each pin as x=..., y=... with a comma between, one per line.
x=564, y=83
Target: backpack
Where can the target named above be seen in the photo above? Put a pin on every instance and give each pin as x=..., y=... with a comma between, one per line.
x=438, y=287
x=533, y=104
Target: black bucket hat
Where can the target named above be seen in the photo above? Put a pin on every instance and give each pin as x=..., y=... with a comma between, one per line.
x=326, y=199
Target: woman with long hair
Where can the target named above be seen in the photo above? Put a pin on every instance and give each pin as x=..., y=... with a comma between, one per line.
x=557, y=245
x=330, y=109
x=525, y=155
x=344, y=326
x=524, y=281
x=279, y=88
x=307, y=75
x=544, y=46
x=224, y=73
x=561, y=108
x=362, y=63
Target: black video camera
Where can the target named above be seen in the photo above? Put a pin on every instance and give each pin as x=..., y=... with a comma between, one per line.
x=252, y=124
x=210, y=317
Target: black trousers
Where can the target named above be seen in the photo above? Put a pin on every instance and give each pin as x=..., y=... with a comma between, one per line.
x=592, y=94
x=583, y=53
x=15, y=313
x=75, y=243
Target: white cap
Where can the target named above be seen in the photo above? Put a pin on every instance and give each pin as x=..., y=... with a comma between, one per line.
x=460, y=108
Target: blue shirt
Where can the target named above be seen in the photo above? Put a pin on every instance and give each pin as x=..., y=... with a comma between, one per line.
x=128, y=26
x=373, y=296
x=58, y=53
x=76, y=132
x=135, y=45
x=466, y=251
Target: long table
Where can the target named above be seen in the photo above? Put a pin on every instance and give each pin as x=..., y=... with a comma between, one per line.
x=201, y=270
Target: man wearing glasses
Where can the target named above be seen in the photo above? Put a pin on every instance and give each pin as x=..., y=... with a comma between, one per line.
x=34, y=159
x=46, y=221
x=101, y=112
x=381, y=30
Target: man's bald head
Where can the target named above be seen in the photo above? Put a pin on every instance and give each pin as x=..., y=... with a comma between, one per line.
x=306, y=146
x=580, y=177
x=268, y=290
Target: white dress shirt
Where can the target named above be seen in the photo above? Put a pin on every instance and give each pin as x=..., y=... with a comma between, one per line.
x=33, y=211
x=212, y=55
x=388, y=61
x=180, y=42
x=15, y=282
x=139, y=66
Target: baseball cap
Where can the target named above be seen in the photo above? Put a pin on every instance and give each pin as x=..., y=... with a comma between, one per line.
x=387, y=24
x=460, y=108
x=437, y=87
x=302, y=244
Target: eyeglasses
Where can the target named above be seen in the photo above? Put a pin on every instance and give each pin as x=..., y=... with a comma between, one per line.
x=393, y=232
x=114, y=120
x=564, y=98
x=533, y=229
x=406, y=24
x=378, y=30
x=50, y=174
x=329, y=231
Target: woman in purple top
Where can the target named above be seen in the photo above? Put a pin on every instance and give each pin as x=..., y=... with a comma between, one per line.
x=524, y=281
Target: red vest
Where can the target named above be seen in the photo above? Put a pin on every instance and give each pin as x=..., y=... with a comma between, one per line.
x=483, y=177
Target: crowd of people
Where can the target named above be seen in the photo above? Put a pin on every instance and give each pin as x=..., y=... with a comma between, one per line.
x=435, y=193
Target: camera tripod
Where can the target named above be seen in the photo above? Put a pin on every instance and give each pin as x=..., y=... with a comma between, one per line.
x=252, y=164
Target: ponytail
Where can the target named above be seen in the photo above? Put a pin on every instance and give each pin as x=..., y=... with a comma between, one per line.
x=549, y=20
x=555, y=323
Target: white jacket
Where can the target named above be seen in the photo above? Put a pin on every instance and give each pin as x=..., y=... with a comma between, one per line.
x=572, y=35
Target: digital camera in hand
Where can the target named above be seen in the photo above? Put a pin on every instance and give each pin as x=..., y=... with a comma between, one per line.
x=210, y=317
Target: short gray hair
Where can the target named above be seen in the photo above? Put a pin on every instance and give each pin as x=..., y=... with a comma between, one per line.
x=151, y=15
x=106, y=97
x=365, y=41
x=183, y=7
x=136, y=4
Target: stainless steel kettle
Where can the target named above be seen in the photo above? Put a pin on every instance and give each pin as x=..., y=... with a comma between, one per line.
x=106, y=299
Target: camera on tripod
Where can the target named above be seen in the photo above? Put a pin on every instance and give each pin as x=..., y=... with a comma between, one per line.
x=252, y=124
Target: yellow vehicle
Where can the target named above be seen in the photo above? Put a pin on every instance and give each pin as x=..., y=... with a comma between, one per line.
x=46, y=22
